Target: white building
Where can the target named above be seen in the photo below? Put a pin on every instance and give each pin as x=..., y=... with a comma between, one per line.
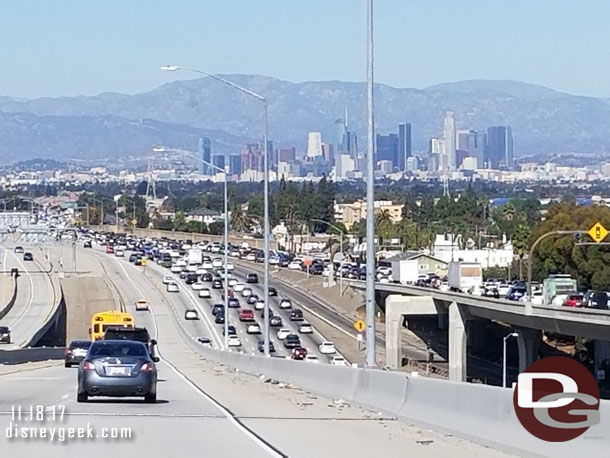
x=446, y=247
x=449, y=137
x=314, y=145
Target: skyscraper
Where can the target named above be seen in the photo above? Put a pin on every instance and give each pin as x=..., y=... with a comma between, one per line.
x=500, y=146
x=235, y=164
x=387, y=149
x=404, y=145
x=205, y=153
x=219, y=161
x=449, y=137
x=314, y=145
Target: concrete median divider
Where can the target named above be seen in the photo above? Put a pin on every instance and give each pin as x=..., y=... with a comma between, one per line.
x=30, y=355
x=480, y=413
x=7, y=308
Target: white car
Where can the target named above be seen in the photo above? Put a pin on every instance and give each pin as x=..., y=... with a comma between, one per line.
x=285, y=304
x=253, y=328
x=259, y=305
x=191, y=315
x=237, y=287
x=181, y=263
x=230, y=266
x=282, y=333
x=172, y=287
x=217, y=262
x=327, y=348
x=503, y=290
x=274, y=261
x=119, y=253
x=175, y=269
x=312, y=358
x=201, y=271
x=207, y=265
x=215, y=248
x=306, y=328
x=168, y=279
x=192, y=268
x=198, y=286
x=234, y=341
x=251, y=257
x=141, y=304
x=232, y=282
x=205, y=293
x=384, y=280
x=246, y=292
x=338, y=361
x=294, y=265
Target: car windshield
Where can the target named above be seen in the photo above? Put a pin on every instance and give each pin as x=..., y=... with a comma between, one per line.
x=101, y=349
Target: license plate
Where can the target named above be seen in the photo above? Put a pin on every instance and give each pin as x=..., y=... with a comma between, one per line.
x=121, y=370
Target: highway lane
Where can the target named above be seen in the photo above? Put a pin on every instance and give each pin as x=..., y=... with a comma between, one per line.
x=189, y=423
x=36, y=296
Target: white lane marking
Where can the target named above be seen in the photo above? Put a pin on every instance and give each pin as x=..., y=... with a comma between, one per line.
x=65, y=396
x=215, y=403
x=36, y=378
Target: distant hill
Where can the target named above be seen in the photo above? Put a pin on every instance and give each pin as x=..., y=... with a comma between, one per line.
x=175, y=114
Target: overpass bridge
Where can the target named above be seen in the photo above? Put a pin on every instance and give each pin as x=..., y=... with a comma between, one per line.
x=455, y=310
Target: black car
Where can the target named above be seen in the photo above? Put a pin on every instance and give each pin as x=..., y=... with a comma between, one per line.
x=219, y=318
x=87, y=244
x=296, y=315
x=138, y=261
x=252, y=299
x=117, y=368
x=133, y=257
x=272, y=291
x=261, y=346
x=316, y=269
x=231, y=331
x=252, y=278
x=27, y=256
x=233, y=303
x=76, y=352
x=5, y=334
x=205, y=341
x=275, y=321
x=207, y=277
x=218, y=308
x=217, y=284
x=599, y=300
x=292, y=341
x=136, y=334
x=191, y=278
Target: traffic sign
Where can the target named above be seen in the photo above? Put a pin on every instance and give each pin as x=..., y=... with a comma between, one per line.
x=598, y=232
x=360, y=325
x=144, y=262
x=134, y=221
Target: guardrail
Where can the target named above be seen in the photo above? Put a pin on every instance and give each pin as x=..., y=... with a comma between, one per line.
x=8, y=307
x=29, y=355
x=480, y=413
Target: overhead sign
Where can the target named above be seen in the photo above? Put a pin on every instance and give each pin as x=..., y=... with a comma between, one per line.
x=359, y=325
x=598, y=232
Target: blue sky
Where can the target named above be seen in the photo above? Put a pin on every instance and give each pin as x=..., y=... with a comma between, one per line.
x=69, y=47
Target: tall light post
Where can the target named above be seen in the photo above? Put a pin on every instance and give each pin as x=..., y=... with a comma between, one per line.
x=506, y=337
x=370, y=197
x=173, y=68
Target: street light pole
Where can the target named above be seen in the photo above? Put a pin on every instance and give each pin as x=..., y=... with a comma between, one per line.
x=370, y=199
x=173, y=68
x=506, y=337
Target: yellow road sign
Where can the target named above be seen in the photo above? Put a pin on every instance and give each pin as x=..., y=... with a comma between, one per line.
x=598, y=232
x=144, y=261
x=360, y=325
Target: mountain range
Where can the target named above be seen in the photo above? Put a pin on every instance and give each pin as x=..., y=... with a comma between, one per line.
x=176, y=114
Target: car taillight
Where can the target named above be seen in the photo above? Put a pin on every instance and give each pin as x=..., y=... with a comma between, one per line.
x=146, y=367
x=87, y=366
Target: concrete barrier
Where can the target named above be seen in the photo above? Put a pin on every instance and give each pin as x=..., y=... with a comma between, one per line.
x=53, y=331
x=480, y=413
x=29, y=355
x=7, y=308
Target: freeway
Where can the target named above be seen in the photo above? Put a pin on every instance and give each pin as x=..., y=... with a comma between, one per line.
x=36, y=296
x=203, y=409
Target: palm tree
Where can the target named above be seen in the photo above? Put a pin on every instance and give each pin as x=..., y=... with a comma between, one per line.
x=239, y=220
x=520, y=242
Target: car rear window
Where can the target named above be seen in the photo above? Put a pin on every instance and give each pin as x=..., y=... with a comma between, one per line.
x=80, y=344
x=118, y=349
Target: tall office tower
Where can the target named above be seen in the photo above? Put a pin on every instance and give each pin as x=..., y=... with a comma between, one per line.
x=477, y=144
x=287, y=154
x=314, y=145
x=271, y=156
x=404, y=145
x=219, y=161
x=449, y=137
x=328, y=152
x=438, y=162
x=252, y=158
x=205, y=153
x=387, y=149
x=235, y=164
x=500, y=146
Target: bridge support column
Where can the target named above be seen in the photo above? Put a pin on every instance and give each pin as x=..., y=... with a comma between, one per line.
x=457, y=343
x=396, y=307
x=528, y=342
x=601, y=351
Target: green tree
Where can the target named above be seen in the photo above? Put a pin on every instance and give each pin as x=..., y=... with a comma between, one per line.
x=179, y=223
x=239, y=220
x=521, y=244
